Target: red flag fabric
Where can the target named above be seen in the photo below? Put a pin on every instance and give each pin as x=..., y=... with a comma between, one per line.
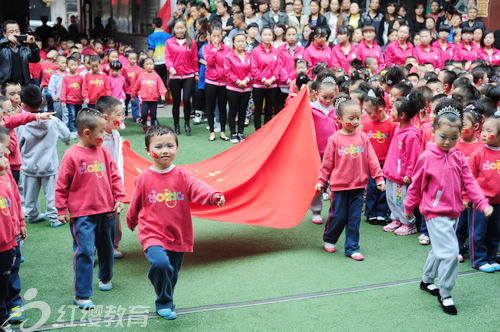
x=268, y=179
x=165, y=14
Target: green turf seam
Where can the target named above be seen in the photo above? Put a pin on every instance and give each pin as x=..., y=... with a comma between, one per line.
x=243, y=304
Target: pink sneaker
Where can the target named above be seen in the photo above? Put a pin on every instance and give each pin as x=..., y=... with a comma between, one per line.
x=317, y=219
x=406, y=230
x=357, y=256
x=329, y=247
x=460, y=258
x=392, y=226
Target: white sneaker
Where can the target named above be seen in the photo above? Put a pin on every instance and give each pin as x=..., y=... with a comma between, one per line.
x=105, y=286
x=326, y=197
x=329, y=247
x=317, y=219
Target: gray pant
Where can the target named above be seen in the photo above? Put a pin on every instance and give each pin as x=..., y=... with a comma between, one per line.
x=317, y=203
x=396, y=194
x=31, y=191
x=443, y=257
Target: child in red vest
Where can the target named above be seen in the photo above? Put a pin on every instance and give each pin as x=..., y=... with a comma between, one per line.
x=160, y=206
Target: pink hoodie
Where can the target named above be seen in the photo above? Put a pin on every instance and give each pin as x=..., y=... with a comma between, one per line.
x=117, y=85
x=493, y=60
x=182, y=59
x=444, y=54
x=461, y=53
x=403, y=153
x=313, y=55
x=325, y=125
x=264, y=66
x=423, y=56
x=437, y=184
x=237, y=71
x=149, y=86
x=287, y=63
x=363, y=51
x=215, y=74
x=395, y=55
x=339, y=59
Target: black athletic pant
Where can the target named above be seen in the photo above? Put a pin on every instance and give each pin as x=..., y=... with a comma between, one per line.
x=151, y=106
x=238, y=103
x=259, y=95
x=216, y=94
x=187, y=88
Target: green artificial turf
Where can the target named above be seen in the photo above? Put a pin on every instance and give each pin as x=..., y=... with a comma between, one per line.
x=235, y=263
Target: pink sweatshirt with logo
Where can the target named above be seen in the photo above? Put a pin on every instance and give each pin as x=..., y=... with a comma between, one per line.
x=237, y=71
x=340, y=59
x=363, y=51
x=149, y=86
x=430, y=56
x=437, y=184
x=117, y=85
x=214, y=57
x=182, y=59
x=71, y=90
x=403, y=153
x=160, y=206
x=395, y=55
x=485, y=166
x=264, y=66
x=348, y=161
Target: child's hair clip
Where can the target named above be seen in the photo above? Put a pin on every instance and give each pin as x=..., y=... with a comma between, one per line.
x=372, y=94
x=450, y=109
x=340, y=101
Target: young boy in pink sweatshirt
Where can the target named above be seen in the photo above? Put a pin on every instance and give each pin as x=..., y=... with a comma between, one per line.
x=348, y=161
x=90, y=188
x=440, y=173
x=160, y=206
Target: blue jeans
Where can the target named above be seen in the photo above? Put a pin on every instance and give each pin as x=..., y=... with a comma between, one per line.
x=134, y=103
x=49, y=100
x=484, y=237
x=72, y=113
x=7, y=260
x=345, y=212
x=165, y=266
x=376, y=203
x=463, y=228
x=14, y=293
x=89, y=232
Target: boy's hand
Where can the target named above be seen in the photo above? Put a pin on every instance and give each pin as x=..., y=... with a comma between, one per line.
x=45, y=115
x=119, y=207
x=407, y=180
x=381, y=187
x=54, y=98
x=172, y=71
x=488, y=211
x=318, y=187
x=409, y=216
x=86, y=101
x=467, y=205
x=221, y=200
x=64, y=218
x=24, y=233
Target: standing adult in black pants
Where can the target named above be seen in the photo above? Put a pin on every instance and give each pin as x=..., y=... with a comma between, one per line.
x=181, y=59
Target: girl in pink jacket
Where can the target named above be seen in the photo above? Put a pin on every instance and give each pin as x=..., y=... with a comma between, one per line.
x=181, y=60
x=317, y=50
x=440, y=174
x=215, y=80
x=400, y=161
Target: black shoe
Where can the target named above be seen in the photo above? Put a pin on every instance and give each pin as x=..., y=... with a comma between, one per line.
x=241, y=137
x=431, y=290
x=177, y=129
x=187, y=129
x=372, y=220
x=449, y=309
x=234, y=138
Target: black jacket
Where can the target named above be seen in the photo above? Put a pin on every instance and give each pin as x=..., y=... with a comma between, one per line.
x=28, y=54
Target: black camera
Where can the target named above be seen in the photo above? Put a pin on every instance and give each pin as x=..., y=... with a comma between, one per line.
x=22, y=39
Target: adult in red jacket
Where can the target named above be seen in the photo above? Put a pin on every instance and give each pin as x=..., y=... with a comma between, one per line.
x=181, y=60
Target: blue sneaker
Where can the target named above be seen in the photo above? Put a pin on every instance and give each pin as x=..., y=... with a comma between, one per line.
x=105, y=286
x=487, y=268
x=55, y=223
x=167, y=314
x=496, y=266
x=37, y=219
x=22, y=259
x=16, y=315
x=83, y=303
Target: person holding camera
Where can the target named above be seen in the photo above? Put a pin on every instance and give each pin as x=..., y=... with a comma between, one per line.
x=16, y=51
